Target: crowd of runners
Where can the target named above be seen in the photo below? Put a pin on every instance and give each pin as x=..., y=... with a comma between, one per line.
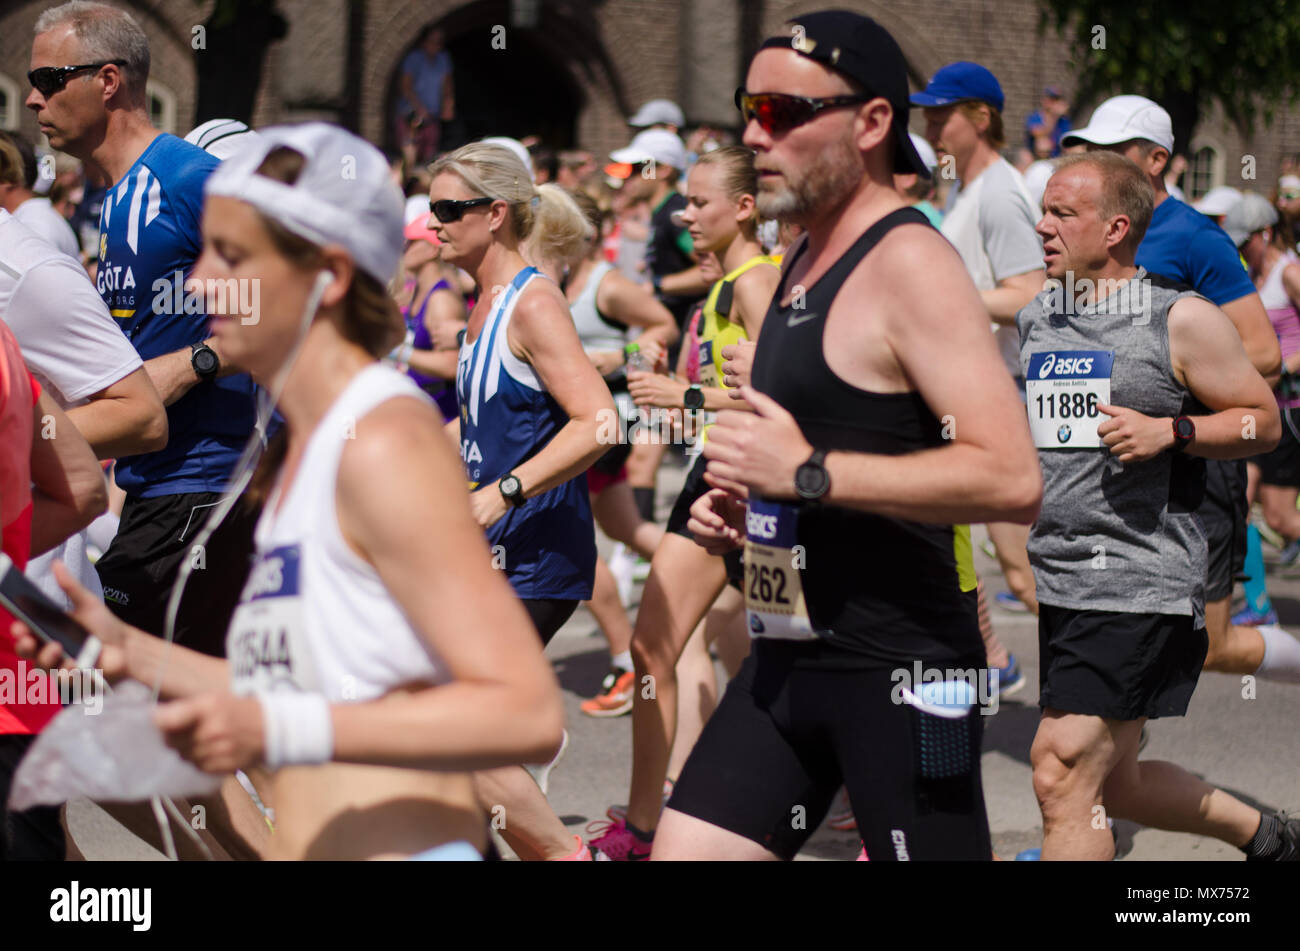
x=321, y=446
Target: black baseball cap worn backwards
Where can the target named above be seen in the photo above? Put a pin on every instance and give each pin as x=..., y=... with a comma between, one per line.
x=863, y=50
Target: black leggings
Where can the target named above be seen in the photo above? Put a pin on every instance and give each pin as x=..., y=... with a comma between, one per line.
x=549, y=615
x=784, y=739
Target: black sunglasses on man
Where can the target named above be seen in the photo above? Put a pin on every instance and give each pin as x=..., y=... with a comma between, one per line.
x=51, y=79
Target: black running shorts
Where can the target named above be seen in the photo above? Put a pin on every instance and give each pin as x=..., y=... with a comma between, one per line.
x=1281, y=467
x=784, y=739
x=1224, y=514
x=155, y=536
x=692, y=490
x=549, y=614
x=1118, y=666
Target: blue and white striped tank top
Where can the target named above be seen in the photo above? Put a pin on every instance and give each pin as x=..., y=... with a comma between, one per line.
x=547, y=547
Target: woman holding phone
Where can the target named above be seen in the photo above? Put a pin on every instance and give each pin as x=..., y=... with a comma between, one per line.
x=376, y=658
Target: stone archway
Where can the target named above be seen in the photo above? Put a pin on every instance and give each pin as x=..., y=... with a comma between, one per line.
x=555, y=80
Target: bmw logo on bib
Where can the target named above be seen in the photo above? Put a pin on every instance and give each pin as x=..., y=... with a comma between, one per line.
x=755, y=624
x=1063, y=434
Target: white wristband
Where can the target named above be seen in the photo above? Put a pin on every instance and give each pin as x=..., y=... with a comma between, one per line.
x=297, y=727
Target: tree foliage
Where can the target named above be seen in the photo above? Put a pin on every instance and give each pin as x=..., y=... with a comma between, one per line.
x=1185, y=54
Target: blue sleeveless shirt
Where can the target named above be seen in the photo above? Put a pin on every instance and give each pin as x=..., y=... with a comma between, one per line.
x=547, y=547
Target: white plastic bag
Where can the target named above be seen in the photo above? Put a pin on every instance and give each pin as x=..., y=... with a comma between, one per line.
x=117, y=755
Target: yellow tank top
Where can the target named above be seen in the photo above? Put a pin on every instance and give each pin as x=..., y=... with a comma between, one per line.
x=717, y=330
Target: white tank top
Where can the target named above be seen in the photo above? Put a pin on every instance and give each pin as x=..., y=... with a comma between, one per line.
x=594, y=331
x=1273, y=293
x=314, y=616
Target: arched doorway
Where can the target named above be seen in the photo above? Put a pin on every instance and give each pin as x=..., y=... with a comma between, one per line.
x=539, y=84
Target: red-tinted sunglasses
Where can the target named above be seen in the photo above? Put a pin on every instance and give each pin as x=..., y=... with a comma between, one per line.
x=777, y=112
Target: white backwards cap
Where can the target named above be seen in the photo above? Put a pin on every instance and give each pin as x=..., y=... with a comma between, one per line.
x=344, y=194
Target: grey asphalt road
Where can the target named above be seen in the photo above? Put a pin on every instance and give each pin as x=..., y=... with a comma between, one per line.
x=1248, y=745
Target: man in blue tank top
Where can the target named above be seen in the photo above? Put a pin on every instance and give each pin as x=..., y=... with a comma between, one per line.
x=90, y=102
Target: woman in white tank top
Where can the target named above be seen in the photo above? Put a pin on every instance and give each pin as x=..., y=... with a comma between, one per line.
x=376, y=657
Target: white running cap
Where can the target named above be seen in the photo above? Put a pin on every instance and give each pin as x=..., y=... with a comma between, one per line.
x=653, y=145
x=344, y=195
x=658, y=112
x=514, y=145
x=222, y=138
x=1253, y=213
x=924, y=150
x=1122, y=118
x=1218, y=201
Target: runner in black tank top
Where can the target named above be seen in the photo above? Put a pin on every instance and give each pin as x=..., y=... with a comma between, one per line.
x=890, y=591
x=850, y=485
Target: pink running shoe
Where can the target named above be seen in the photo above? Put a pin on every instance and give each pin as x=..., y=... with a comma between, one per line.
x=841, y=817
x=617, y=843
x=862, y=856
x=582, y=854
x=619, y=813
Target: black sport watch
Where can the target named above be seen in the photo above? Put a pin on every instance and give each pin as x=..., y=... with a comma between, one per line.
x=1184, y=433
x=204, y=361
x=811, y=480
x=512, y=490
x=693, y=398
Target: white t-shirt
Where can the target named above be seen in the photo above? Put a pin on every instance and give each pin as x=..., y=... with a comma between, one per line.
x=991, y=224
x=71, y=345
x=39, y=215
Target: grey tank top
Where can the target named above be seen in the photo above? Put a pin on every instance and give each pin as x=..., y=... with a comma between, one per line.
x=1111, y=537
x=595, y=332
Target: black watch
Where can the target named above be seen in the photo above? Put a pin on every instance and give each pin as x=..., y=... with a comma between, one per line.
x=205, y=362
x=1184, y=433
x=811, y=480
x=512, y=490
x=693, y=398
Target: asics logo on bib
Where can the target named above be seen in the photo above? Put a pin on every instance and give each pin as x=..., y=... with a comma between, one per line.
x=267, y=578
x=1066, y=366
x=760, y=526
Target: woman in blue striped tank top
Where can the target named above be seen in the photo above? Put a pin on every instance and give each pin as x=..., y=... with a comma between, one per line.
x=531, y=410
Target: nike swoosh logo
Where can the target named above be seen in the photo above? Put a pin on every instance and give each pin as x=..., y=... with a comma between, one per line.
x=793, y=321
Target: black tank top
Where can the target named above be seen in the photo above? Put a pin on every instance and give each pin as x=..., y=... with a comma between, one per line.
x=888, y=591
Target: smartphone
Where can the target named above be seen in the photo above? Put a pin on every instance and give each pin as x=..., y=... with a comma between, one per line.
x=47, y=620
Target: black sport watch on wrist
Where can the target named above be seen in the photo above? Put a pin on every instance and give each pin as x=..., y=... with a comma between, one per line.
x=811, y=480
x=1184, y=433
x=512, y=490
x=693, y=398
x=204, y=361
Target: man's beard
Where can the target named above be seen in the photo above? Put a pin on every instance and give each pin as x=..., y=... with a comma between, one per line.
x=836, y=172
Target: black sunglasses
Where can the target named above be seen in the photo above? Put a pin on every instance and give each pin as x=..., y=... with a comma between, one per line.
x=777, y=112
x=50, y=79
x=448, y=210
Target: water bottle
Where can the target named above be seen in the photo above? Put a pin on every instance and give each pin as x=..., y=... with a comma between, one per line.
x=635, y=360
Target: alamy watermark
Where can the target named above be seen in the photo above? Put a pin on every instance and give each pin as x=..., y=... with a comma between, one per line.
x=28, y=685
x=1077, y=295
x=956, y=687
x=241, y=297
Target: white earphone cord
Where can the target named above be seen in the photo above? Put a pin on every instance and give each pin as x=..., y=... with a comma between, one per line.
x=248, y=460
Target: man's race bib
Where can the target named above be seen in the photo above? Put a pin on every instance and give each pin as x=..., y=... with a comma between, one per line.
x=1063, y=389
x=265, y=645
x=708, y=369
x=774, y=600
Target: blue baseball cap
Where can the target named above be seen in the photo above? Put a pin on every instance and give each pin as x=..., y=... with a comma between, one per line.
x=959, y=82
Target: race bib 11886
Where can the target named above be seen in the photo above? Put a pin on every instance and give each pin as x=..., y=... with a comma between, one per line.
x=1063, y=389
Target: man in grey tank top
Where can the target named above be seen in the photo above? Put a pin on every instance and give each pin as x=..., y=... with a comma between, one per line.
x=1131, y=383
